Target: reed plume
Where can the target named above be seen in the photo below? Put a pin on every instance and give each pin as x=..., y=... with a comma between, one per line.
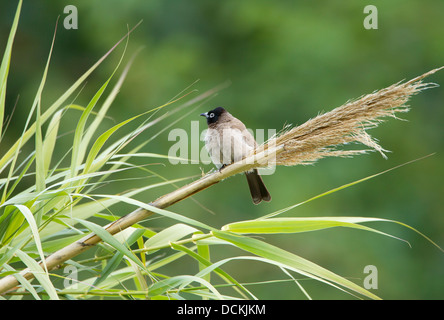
x=322, y=136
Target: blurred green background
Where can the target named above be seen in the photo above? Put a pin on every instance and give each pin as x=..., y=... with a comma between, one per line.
x=286, y=61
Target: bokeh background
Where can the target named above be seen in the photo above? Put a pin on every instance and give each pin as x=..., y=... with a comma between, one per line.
x=286, y=61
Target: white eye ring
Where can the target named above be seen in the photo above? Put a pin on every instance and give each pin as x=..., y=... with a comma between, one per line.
x=211, y=115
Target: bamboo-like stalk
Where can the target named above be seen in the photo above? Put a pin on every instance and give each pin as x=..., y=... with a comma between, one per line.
x=307, y=143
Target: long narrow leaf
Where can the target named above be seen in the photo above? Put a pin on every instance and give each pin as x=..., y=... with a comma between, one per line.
x=103, y=138
x=162, y=286
x=40, y=157
x=80, y=143
x=286, y=258
x=162, y=212
x=299, y=224
x=205, y=269
x=4, y=68
x=347, y=185
x=50, y=140
x=170, y=234
x=77, y=157
x=124, y=274
x=34, y=230
x=115, y=261
x=38, y=272
x=89, y=209
x=203, y=250
x=53, y=108
x=23, y=281
x=109, y=239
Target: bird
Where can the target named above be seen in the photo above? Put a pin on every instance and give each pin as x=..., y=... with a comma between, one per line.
x=227, y=140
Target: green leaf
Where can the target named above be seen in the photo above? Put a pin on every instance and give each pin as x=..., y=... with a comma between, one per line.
x=111, y=266
x=23, y=281
x=30, y=161
x=203, y=251
x=39, y=155
x=34, y=230
x=124, y=274
x=98, y=144
x=50, y=140
x=7, y=253
x=162, y=286
x=216, y=265
x=11, y=222
x=90, y=208
x=39, y=274
x=4, y=68
x=54, y=245
x=300, y=224
x=56, y=105
x=93, y=161
x=76, y=156
x=162, y=212
x=207, y=267
x=80, y=143
x=289, y=259
x=112, y=241
x=348, y=185
x=170, y=234
x=297, y=283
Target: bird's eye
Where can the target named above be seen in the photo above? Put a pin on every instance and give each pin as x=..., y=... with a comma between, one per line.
x=211, y=115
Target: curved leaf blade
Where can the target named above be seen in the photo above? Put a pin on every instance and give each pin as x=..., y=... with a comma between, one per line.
x=286, y=258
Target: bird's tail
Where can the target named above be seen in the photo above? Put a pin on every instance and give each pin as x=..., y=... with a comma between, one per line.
x=257, y=187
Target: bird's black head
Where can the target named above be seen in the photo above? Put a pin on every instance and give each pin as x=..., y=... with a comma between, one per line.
x=213, y=115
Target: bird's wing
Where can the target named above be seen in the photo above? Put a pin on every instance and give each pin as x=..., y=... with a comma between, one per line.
x=241, y=144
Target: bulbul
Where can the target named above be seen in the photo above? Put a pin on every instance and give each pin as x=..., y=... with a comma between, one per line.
x=227, y=140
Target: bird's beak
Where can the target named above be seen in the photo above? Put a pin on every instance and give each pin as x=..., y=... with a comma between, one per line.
x=204, y=114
